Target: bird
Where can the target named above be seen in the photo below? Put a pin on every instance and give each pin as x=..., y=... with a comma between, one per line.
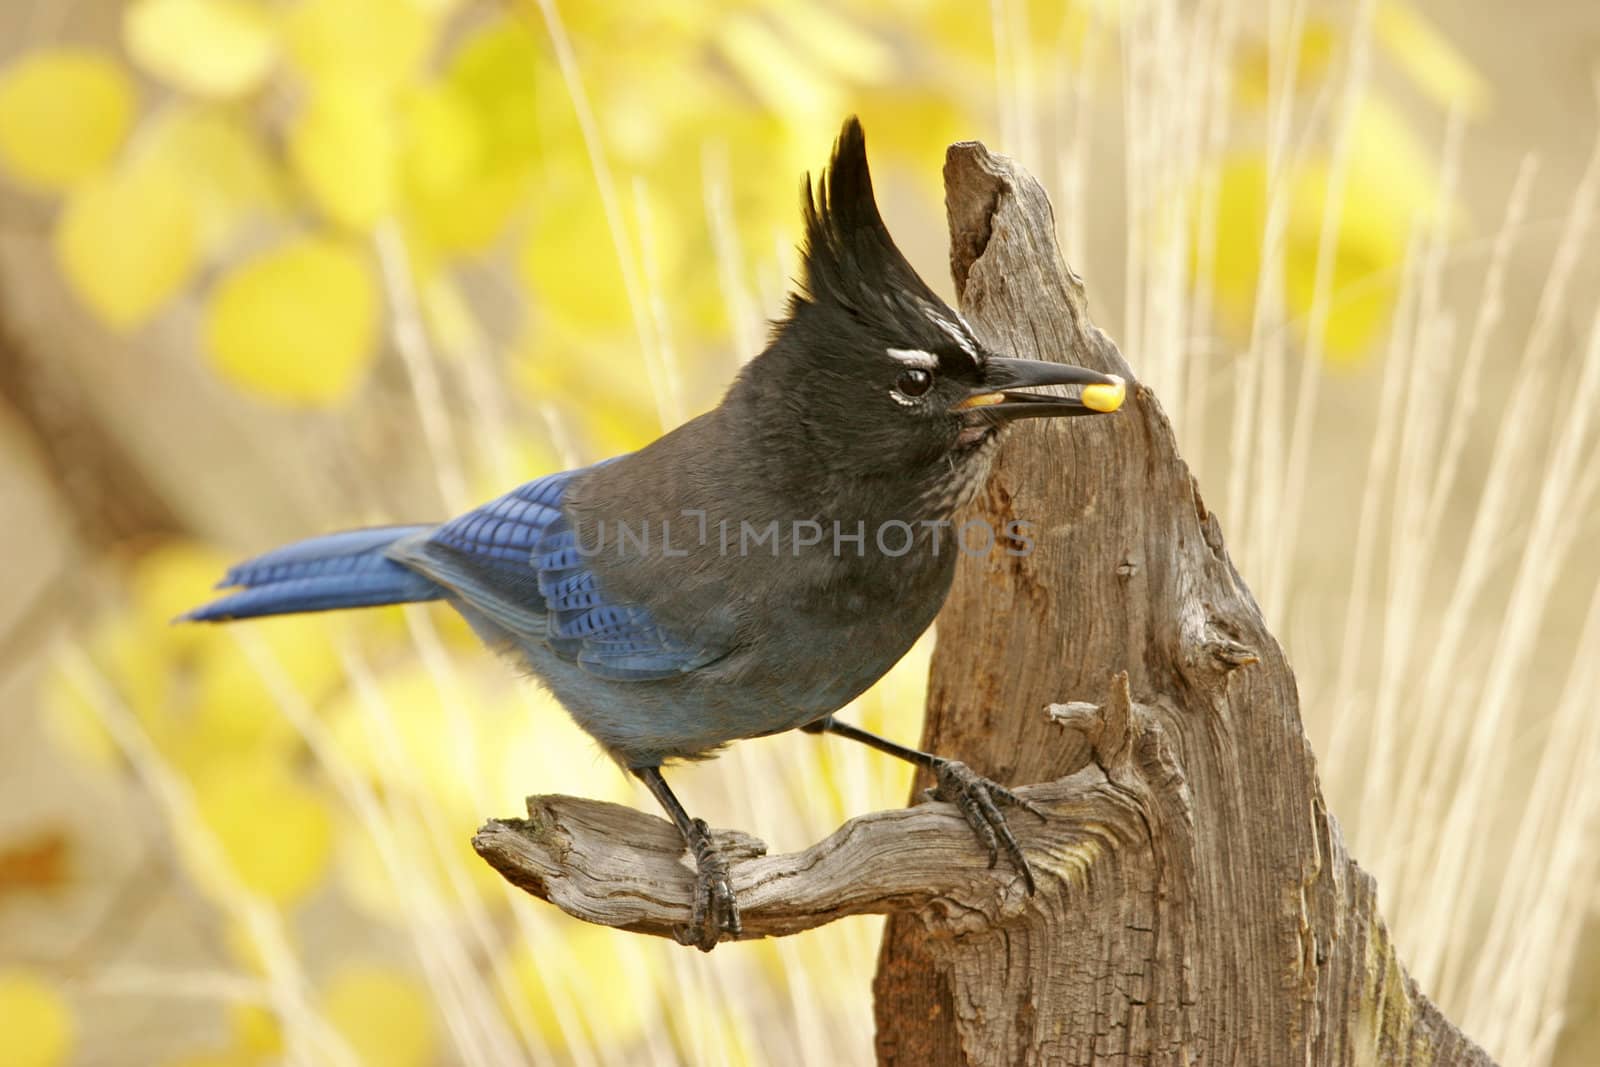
x=753, y=570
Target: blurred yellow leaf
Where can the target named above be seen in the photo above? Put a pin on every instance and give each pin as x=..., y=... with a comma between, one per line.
x=840, y=45
x=443, y=143
x=483, y=746
x=467, y=218
x=386, y=1015
x=168, y=580
x=275, y=830
x=343, y=147
x=232, y=180
x=585, y=974
x=232, y=1057
x=1431, y=61
x=38, y=1028
x=297, y=324
x=496, y=71
x=460, y=191
x=543, y=370
x=1391, y=188
x=127, y=241
x=63, y=115
x=569, y=260
x=1256, y=65
x=379, y=44
x=1241, y=217
x=770, y=67
x=204, y=47
x=1393, y=180
x=256, y=1030
x=435, y=744
x=195, y=690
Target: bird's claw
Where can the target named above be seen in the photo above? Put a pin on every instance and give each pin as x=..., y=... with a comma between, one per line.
x=715, y=911
x=979, y=801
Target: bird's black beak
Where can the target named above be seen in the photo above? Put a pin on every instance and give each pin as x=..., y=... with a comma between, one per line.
x=997, y=398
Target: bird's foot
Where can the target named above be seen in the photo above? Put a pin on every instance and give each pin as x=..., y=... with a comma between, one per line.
x=979, y=801
x=715, y=911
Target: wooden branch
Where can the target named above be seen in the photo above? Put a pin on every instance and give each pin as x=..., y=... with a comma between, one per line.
x=617, y=866
x=1196, y=901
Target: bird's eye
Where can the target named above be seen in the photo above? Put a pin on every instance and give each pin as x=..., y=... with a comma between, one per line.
x=913, y=382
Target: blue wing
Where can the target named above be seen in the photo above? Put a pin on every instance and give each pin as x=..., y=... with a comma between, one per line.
x=515, y=568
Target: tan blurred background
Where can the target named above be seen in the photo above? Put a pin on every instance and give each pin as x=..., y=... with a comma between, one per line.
x=270, y=269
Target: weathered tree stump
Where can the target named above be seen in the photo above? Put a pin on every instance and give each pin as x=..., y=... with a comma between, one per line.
x=1196, y=903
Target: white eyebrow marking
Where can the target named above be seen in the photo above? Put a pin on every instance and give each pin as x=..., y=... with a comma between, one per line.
x=960, y=335
x=915, y=357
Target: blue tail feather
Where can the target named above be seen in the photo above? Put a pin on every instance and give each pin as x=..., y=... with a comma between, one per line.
x=343, y=570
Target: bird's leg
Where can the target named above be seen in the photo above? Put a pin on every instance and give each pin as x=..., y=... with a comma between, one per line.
x=978, y=799
x=715, y=910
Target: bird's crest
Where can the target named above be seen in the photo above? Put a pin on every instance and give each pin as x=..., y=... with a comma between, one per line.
x=850, y=259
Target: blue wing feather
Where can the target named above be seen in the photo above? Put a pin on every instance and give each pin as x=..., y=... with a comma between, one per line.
x=514, y=564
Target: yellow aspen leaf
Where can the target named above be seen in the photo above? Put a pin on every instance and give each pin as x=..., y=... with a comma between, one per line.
x=570, y=263
x=39, y=1027
x=1241, y=215
x=233, y=181
x=168, y=580
x=344, y=149
x=1429, y=59
x=496, y=71
x=386, y=1015
x=206, y=47
x=1393, y=180
x=586, y=972
x=768, y=65
x=127, y=241
x=532, y=740
x=542, y=370
x=256, y=1030
x=838, y=44
x=442, y=141
x=914, y=125
x=1358, y=300
x=63, y=115
x=230, y=1057
x=274, y=830
x=380, y=44
x=467, y=218
x=965, y=31
x=1254, y=65
x=298, y=324
x=435, y=742
x=1390, y=188
x=460, y=191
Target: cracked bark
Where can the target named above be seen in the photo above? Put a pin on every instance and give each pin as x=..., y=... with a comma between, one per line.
x=1196, y=902
x=1214, y=915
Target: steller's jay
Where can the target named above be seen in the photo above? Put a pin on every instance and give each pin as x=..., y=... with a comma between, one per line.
x=755, y=569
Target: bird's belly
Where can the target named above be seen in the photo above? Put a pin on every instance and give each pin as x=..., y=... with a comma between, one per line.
x=780, y=685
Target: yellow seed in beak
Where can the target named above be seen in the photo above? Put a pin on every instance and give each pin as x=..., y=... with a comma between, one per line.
x=1105, y=397
x=981, y=400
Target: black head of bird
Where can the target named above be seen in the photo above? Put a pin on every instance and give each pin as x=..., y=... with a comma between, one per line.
x=876, y=373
